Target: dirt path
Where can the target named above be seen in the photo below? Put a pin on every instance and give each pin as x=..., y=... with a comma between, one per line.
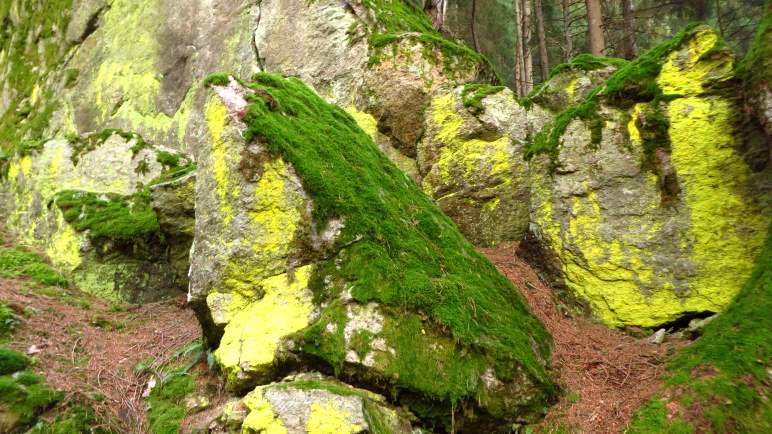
x=607, y=374
x=89, y=349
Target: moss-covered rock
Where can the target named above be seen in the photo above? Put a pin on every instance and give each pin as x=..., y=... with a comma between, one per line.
x=314, y=249
x=82, y=201
x=661, y=217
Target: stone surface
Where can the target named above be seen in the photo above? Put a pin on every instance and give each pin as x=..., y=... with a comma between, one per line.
x=646, y=245
x=472, y=165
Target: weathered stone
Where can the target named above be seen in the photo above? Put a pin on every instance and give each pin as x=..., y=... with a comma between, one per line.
x=646, y=241
x=472, y=166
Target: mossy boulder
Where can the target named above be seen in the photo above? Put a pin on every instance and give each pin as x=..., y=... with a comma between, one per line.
x=656, y=215
x=470, y=161
x=84, y=202
x=313, y=250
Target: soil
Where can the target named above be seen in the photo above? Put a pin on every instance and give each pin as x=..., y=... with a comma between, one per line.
x=606, y=374
x=90, y=351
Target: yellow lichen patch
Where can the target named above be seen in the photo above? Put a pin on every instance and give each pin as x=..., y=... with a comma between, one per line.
x=277, y=216
x=217, y=120
x=25, y=164
x=609, y=273
x=727, y=229
x=64, y=247
x=366, y=121
x=261, y=418
x=250, y=339
x=632, y=129
x=327, y=418
x=571, y=89
x=686, y=76
x=444, y=114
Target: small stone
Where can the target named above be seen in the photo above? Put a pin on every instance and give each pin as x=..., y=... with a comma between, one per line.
x=150, y=385
x=33, y=349
x=196, y=403
x=658, y=337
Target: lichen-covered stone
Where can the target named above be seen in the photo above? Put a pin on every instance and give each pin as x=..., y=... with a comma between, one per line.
x=650, y=234
x=264, y=279
x=472, y=165
x=29, y=201
x=311, y=404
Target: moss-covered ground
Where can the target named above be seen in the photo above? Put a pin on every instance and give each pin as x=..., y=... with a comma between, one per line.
x=18, y=262
x=721, y=382
x=397, y=248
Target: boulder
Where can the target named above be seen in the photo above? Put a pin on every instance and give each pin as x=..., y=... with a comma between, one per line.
x=653, y=213
x=336, y=261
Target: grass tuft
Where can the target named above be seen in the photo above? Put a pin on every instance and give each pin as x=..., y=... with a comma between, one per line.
x=16, y=262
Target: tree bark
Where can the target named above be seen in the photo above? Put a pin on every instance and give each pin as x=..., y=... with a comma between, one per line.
x=519, y=66
x=527, y=53
x=595, y=26
x=629, y=49
x=437, y=11
x=474, y=32
x=568, y=50
x=543, y=54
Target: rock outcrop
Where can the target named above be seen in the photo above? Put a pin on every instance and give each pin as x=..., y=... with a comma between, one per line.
x=651, y=210
x=313, y=250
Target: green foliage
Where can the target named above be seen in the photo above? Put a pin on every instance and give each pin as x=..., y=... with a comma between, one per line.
x=725, y=372
x=547, y=141
x=109, y=215
x=473, y=94
x=166, y=407
x=11, y=361
x=653, y=125
x=397, y=247
x=653, y=418
x=8, y=321
x=16, y=262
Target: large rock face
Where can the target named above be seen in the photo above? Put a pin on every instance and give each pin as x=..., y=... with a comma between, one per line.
x=662, y=218
x=335, y=260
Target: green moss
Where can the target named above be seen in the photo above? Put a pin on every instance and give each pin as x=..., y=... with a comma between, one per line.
x=587, y=62
x=726, y=371
x=473, y=94
x=11, y=361
x=396, y=20
x=397, y=248
x=109, y=215
x=16, y=262
x=23, y=402
x=75, y=420
x=654, y=419
x=633, y=82
x=166, y=407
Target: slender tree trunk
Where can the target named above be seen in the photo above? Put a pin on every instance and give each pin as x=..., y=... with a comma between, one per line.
x=543, y=55
x=519, y=66
x=437, y=11
x=527, y=53
x=718, y=18
x=568, y=52
x=474, y=32
x=630, y=51
x=595, y=26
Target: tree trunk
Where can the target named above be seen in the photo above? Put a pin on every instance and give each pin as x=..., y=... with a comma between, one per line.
x=474, y=33
x=527, y=53
x=595, y=26
x=437, y=11
x=568, y=50
x=543, y=55
x=630, y=51
x=519, y=67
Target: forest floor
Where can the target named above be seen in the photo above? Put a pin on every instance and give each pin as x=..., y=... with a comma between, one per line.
x=606, y=374
x=97, y=352
x=105, y=353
